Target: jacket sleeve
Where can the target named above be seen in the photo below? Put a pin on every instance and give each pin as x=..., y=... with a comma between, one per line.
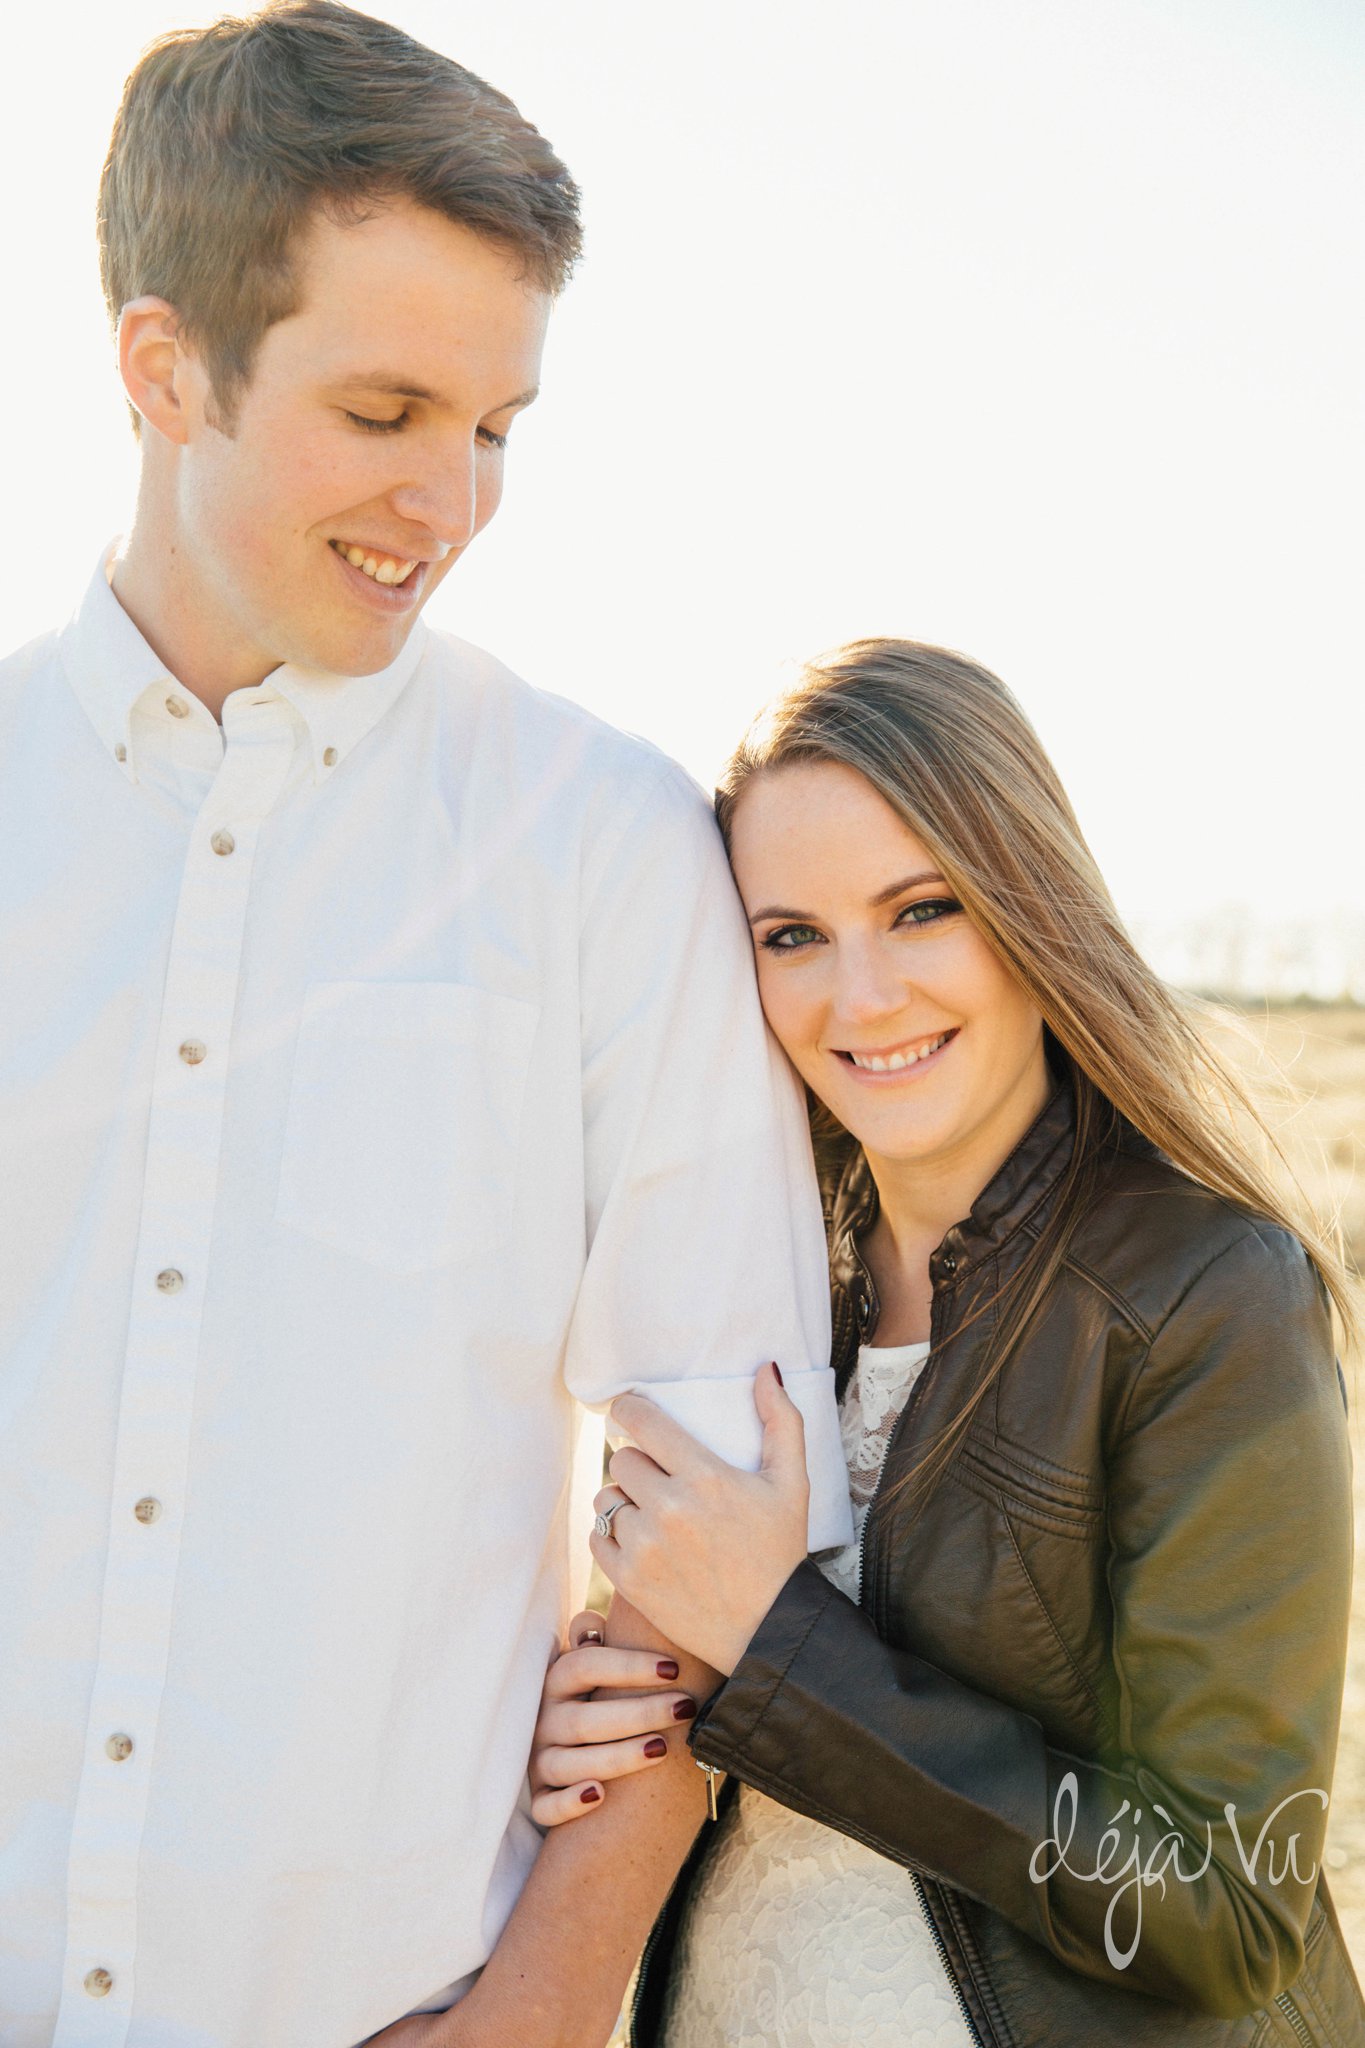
x=1185, y=1866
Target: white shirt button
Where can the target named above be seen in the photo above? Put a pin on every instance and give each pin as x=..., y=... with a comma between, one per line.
x=120, y=752
x=169, y=1281
x=223, y=842
x=98, y=1983
x=177, y=707
x=329, y=757
x=119, y=1747
x=192, y=1051
x=147, y=1509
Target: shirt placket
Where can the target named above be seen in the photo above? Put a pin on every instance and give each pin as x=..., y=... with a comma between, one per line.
x=156, y=1401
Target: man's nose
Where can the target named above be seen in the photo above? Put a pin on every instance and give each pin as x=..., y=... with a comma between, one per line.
x=444, y=496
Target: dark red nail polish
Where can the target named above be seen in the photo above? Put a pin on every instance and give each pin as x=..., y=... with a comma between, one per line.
x=589, y=1795
x=656, y=1746
x=778, y=1370
x=592, y=1635
x=667, y=1667
x=684, y=1710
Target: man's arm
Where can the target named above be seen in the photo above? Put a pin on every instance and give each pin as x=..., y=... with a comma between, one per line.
x=559, y=1973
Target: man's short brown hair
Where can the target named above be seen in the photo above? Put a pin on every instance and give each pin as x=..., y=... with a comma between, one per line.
x=230, y=138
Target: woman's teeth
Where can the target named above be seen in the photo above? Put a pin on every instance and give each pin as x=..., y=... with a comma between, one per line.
x=383, y=568
x=893, y=1061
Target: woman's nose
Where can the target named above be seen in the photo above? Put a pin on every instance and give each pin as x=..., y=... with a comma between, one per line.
x=868, y=985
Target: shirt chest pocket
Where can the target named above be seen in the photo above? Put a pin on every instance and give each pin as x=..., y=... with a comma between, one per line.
x=400, y=1143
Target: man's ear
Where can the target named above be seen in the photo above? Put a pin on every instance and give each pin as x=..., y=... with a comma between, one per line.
x=152, y=363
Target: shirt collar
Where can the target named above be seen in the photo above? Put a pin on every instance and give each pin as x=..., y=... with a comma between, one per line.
x=114, y=673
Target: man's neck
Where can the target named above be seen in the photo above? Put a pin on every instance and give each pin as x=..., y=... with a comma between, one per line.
x=183, y=621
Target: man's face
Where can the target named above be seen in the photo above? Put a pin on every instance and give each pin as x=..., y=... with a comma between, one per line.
x=373, y=424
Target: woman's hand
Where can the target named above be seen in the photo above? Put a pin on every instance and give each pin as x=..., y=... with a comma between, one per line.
x=699, y=1547
x=582, y=1742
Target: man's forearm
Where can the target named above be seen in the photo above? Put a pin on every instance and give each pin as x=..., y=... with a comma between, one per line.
x=559, y=1973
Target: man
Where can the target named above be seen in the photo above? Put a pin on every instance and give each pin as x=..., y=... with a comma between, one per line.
x=381, y=1079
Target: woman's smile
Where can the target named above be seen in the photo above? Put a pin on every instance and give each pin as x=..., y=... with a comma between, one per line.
x=908, y=1061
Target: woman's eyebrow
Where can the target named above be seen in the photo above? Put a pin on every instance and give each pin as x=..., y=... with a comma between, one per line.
x=775, y=910
x=899, y=888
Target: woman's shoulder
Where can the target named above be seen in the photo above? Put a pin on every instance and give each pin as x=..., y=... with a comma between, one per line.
x=1154, y=1240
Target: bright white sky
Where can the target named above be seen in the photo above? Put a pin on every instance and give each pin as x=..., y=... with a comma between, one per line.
x=1035, y=329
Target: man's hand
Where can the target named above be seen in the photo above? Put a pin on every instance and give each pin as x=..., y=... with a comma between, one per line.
x=701, y=1548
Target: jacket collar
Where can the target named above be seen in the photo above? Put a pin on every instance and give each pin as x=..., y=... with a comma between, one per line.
x=1002, y=1209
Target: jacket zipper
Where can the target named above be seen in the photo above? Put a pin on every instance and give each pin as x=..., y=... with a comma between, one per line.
x=1295, y=2018
x=968, y=2022
x=916, y=1880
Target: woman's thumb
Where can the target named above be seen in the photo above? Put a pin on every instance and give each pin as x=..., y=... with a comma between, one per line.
x=784, y=1431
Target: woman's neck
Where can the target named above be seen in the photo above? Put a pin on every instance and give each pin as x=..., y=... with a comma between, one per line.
x=919, y=1201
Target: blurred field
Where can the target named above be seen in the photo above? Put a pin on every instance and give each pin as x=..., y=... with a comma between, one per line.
x=1323, y=1053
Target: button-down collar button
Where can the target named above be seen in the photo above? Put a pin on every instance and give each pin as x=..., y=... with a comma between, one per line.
x=192, y=1051
x=177, y=707
x=169, y=1281
x=98, y=1983
x=147, y=1509
x=119, y=1747
x=120, y=752
x=329, y=757
x=223, y=842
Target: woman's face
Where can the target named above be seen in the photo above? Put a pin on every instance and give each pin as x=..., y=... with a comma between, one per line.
x=885, y=997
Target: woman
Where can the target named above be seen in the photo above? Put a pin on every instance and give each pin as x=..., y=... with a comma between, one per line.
x=1044, y=1757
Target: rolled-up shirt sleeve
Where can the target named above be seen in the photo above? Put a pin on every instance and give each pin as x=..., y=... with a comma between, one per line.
x=705, y=1246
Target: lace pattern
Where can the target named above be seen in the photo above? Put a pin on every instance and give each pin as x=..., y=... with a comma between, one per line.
x=798, y=1936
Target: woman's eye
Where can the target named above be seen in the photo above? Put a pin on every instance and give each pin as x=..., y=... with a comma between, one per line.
x=929, y=910
x=360, y=419
x=789, y=938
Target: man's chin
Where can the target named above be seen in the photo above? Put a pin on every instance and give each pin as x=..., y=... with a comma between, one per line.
x=356, y=650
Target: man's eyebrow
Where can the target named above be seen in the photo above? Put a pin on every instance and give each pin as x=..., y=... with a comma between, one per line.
x=874, y=902
x=392, y=386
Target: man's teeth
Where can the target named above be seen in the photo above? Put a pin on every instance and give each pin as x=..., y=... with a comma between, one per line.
x=383, y=568
x=895, y=1060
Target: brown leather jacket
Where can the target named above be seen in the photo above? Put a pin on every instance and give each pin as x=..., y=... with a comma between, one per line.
x=1122, y=1609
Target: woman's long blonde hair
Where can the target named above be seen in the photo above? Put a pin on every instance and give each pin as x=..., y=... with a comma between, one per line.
x=948, y=747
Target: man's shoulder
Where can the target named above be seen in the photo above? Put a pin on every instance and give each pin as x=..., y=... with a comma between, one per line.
x=19, y=667
x=538, y=728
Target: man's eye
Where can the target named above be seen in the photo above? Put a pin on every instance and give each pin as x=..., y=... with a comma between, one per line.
x=492, y=440
x=789, y=938
x=929, y=910
x=360, y=419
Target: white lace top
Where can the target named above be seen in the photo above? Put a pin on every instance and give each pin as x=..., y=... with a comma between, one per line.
x=796, y=1935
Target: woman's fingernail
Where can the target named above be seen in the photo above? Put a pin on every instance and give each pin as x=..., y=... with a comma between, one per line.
x=592, y=1635
x=777, y=1373
x=589, y=1795
x=684, y=1710
x=667, y=1667
x=656, y=1746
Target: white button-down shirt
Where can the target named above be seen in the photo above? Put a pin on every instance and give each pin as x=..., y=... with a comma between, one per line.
x=381, y=1079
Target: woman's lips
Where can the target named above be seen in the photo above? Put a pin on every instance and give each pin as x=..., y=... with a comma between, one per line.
x=911, y=1070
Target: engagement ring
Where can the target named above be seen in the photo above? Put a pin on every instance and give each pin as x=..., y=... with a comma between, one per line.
x=603, y=1522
